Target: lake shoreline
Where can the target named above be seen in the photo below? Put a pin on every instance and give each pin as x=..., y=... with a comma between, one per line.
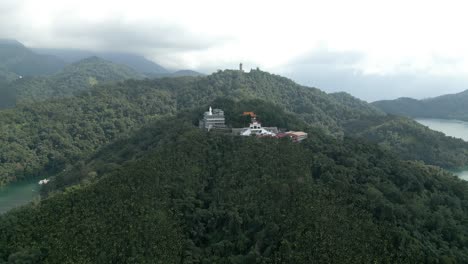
x=452, y=128
x=18, y=193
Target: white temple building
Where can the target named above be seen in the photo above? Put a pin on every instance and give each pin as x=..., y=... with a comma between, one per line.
x=213, y=118
x=255, y=129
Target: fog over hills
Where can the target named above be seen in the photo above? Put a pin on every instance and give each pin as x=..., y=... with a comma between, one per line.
x=138, y=63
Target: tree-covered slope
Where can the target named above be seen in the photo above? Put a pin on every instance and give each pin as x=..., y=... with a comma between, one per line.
x=411, y=141
x=451, y=106
x=18, y=59
x=6, y=76
x=72, y=79
x=136, y=62
x=43, y=137
x=310, y=104
x=196, y=197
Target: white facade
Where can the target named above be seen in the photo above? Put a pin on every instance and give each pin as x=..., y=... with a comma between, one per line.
x=213, y=118
x=255, y=128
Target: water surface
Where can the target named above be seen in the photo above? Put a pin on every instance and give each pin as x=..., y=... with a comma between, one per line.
x=17, y=194
x=453, y=128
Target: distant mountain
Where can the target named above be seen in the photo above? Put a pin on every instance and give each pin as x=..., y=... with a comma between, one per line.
x=451, y=106
x=186, y=73
x=136, y=62
x=17, y=59
x=7, y=76
x=73, y=78
x=180, y=73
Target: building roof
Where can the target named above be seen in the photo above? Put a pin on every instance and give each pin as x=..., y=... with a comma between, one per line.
x=297, y=133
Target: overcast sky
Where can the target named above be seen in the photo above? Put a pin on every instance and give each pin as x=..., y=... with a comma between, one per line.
x=371, y=49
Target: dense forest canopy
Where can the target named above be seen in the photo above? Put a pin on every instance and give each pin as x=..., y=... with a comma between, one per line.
x=173, y=193
x=72, y=79
x=42, y=138
x=411, y=140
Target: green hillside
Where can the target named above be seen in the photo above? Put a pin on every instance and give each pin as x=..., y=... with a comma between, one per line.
x=42, y=138
x=134, y=61
x=19, y=60
x=451, y=106
x=6, y=76
x=179, y=195
x=72, y=79
x=411, y=141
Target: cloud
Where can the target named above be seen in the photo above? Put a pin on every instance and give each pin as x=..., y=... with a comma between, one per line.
x=100, y=26
x=360, y=45
x=339, y=71
x=118, y=35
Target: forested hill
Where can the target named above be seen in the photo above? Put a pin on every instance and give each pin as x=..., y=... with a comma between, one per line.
x=43, y=138
x=172, y=193
x=19, y=60
x=451, y=106
x=73, y=78
x=310, y=104
x=411, y=140
x=136, y=62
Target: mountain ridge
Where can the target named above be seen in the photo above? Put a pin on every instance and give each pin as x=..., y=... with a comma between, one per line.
x=449, y=106
x=18, y=59
x=72, y=79
x=137, y=62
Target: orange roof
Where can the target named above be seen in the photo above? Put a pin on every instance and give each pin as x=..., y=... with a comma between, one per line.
x=251, y=114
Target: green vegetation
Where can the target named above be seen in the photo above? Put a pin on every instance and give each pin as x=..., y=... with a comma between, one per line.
x=174, y=194
x=42, y=138
x=451, y=106
x=6, y=76
x=136, y=62
x=73, y=79
x=411, y=141
x=17, y=59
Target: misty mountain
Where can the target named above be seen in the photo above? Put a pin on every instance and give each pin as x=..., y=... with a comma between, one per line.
x=137, y=62
x=74, y=78
x=450, y=106
x=17, y=59
x=180, y=73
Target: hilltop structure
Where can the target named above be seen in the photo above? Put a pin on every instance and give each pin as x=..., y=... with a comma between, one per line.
x=255, y=128
x=213, y=118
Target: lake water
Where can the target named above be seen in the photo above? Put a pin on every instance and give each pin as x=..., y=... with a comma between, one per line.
x=453, y=128
x=17, y=194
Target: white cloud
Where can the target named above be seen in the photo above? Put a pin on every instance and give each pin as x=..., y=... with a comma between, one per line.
x=392, y=37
